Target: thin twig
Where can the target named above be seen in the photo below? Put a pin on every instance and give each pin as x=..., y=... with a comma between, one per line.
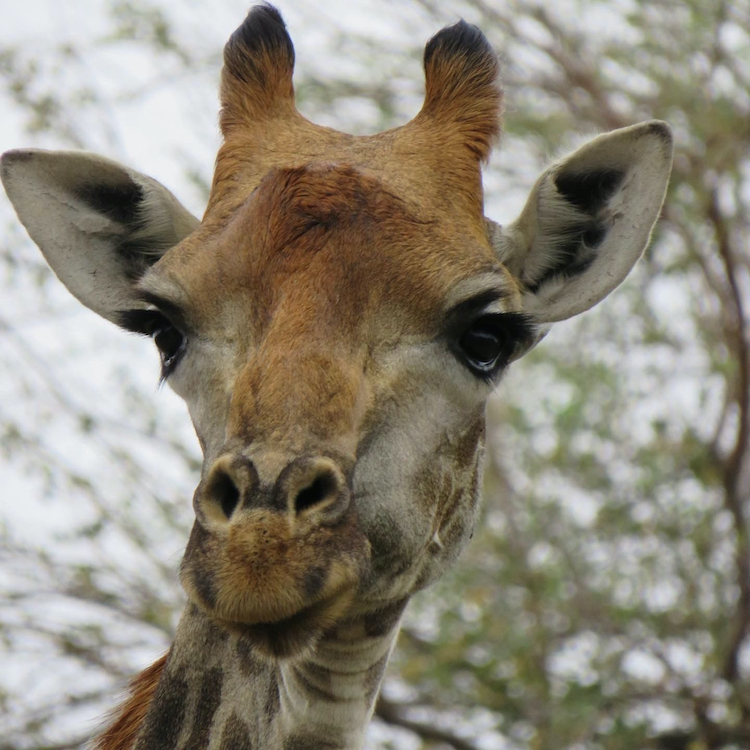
x=736, y=338
x=389, y=712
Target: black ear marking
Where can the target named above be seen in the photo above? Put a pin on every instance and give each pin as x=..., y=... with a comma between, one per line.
x=123, y=203
x=573, y=253
x=589, y=191
x=572, y=260
x=573, y=249
x=120, y=202
x=262, y=33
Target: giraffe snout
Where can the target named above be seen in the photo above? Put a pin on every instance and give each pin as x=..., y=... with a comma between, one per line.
x=312, y=489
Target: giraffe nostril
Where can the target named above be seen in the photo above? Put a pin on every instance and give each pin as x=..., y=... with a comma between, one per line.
x=306, y=487
x=230, y=482
x=224, y=491
x=323, y=487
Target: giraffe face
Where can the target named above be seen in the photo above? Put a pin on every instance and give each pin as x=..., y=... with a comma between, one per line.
x=334, y=326
x=335, y=351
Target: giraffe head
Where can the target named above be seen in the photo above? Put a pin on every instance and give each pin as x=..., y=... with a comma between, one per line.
x=338, y=318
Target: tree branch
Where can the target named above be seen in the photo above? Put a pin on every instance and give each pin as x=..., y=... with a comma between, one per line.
x=736, y=339
x=389, y=712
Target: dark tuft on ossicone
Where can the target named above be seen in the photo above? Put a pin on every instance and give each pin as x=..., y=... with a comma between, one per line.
x=462, y=86
x=261, y=35
x=463, y=39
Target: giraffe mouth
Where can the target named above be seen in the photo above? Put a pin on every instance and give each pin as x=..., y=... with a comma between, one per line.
x=294, y=635
x=279, y=585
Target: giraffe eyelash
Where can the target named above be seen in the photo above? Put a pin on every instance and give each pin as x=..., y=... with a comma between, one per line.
x=169, y=339
x=489, y=341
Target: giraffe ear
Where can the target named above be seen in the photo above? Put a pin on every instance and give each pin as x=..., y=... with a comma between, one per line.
x=587, y=221
x=99, y=225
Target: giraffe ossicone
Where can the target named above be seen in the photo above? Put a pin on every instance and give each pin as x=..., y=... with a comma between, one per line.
x=335, y=323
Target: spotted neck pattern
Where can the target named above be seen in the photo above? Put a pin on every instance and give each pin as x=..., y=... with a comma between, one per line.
x=216, y=694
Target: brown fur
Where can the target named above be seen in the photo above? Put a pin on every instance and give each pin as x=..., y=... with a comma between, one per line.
x=462, y=88
x=121, y=734
x=256, y=81
x=432, y=162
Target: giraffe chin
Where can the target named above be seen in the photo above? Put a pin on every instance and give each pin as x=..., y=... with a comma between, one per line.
x=294, y=636
x=280, y=627
x=280, y=585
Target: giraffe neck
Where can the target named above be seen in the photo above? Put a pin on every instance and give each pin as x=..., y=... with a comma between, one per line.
x=215, y=693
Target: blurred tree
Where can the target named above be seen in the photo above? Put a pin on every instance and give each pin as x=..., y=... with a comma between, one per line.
x=605, y=600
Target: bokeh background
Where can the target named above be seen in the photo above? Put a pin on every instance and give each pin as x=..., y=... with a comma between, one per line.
x=604, y=603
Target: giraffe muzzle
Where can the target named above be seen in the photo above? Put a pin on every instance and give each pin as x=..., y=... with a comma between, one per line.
x=275, y=560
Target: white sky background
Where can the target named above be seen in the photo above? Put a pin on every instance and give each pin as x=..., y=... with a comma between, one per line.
x=155, y=121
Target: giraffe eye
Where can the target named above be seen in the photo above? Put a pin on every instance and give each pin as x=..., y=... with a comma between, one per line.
x=170, y=343
x=491, y=341
x=485, y=344
x=168, y=338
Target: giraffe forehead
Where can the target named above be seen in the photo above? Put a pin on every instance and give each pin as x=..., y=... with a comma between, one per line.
x=408, y=160
x=326, y=246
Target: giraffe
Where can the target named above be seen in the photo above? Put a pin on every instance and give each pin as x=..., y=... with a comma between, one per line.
x=335, y=323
